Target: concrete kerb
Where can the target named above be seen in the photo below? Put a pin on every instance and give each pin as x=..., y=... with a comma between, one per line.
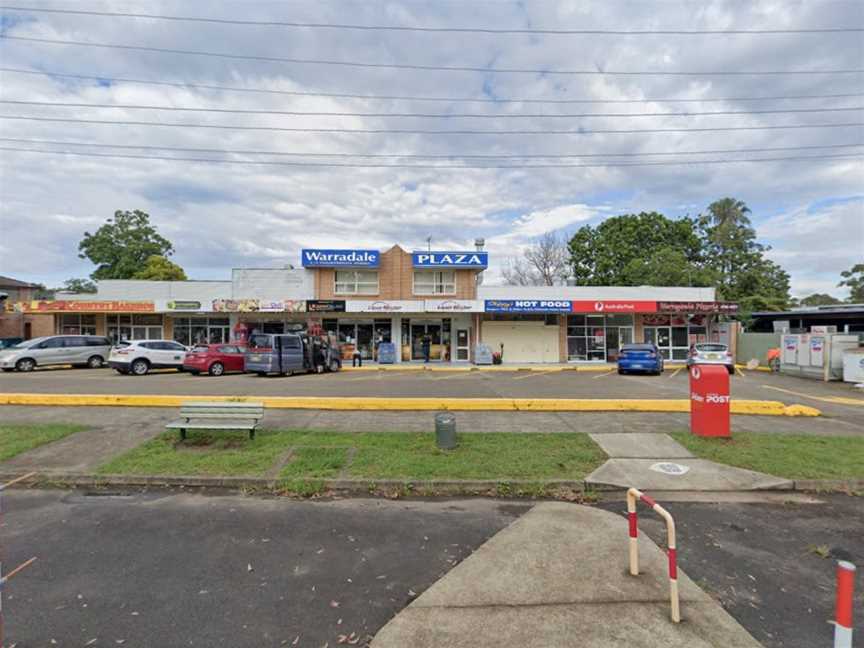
x=682, y=405
x=508, y=488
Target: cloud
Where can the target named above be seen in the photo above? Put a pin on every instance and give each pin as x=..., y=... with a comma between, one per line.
x=223, y=215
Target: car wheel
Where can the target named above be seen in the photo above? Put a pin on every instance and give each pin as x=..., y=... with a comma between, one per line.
x=140, y=367
x=95, y=362
x=334, y=365
x=25, y=364
x=216, y=369
x=621, y=372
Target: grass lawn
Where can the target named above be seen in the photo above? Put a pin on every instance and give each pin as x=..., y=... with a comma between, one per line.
x=367, y=455
x=789, y=456
x=15, y=439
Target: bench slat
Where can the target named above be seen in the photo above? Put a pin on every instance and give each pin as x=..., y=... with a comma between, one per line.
x=227, y=425
x=221, y=404
x=217, y=415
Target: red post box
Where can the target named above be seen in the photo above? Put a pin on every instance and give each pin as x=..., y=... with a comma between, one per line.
x=709, y=400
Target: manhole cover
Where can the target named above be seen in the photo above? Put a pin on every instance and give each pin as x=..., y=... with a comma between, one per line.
x=669, y=468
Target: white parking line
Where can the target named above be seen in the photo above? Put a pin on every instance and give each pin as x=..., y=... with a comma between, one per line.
x=609, y=373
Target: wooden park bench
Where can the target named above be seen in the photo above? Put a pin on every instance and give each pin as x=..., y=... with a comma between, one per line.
x=218, y=416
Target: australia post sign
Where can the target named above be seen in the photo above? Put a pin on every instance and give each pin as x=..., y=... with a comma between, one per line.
x=340, y=258
x=614, y=306
x=468, y=260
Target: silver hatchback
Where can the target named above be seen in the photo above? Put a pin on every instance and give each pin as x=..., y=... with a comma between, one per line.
x=78, y=350
x=711, y=353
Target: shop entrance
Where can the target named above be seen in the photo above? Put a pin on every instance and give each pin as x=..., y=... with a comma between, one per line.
x=360, y=335
x=438, y=331
x=671, y=340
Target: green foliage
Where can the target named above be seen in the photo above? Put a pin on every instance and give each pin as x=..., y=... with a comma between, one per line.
x=122, y=246
x=79, y=286
x=638, y=249
x=159, y=268
x=819, y=299
x=737, y=260
x=853, y=279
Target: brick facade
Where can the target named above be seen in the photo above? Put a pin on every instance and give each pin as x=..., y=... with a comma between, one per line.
x=395, y=280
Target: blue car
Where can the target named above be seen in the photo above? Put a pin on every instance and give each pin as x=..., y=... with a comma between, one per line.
x=641, y=358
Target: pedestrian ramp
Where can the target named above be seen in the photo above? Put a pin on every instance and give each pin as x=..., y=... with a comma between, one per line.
x=558, y=577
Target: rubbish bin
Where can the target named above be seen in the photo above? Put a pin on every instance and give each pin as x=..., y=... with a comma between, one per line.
x=445, y=430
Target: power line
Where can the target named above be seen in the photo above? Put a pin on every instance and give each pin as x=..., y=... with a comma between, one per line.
x=345, y=95
x=430, y=166
x=418, y=131
x=438, y=30
x=425, y=156
x=300, y=113
x=428, y=68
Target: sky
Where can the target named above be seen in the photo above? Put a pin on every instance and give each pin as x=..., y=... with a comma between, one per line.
x=237, y=214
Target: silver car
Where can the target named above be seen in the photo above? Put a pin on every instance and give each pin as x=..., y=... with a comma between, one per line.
x=78, y=350
x=711, y=353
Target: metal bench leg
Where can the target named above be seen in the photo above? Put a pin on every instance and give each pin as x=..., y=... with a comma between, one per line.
x=252, y=434
x=182, y=434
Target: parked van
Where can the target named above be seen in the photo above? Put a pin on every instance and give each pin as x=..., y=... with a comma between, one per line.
x=78, y=350
x=290, y=353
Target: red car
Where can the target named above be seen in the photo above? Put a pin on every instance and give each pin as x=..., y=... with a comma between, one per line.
x=215, y=359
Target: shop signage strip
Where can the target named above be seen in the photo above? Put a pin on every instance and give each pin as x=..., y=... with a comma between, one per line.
x=697, y=307
x=614, y=306
x=75, y=306
x=478, y=260
x=381, y=306
x=454, y=306
x=325, y=305
x=182, y=305
x=259, y=305
x=527, y=306
x=314, y=258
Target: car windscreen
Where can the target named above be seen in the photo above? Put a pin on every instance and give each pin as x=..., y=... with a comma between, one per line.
x=711, y=347
x=26, y=344
x=260, y=341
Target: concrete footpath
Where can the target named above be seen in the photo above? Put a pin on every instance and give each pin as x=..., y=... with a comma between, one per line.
x=656, y=462
x=558, y=577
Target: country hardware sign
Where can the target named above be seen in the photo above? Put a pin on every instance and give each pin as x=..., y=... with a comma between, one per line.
x=76, y=306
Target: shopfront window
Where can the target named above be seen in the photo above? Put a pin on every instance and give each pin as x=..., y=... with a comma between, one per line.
x=597, y=338
x=190, y=331
x=356, y=282
x=134, y=327
x=434, y=282
x=670, y=334
x=77, y=324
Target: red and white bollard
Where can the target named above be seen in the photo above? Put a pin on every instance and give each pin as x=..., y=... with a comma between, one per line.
x=634, y=495
x=843, y=606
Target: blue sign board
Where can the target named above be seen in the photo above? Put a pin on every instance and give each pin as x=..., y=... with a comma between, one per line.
x=340, y=258
x=528, y=306
x=478, y=260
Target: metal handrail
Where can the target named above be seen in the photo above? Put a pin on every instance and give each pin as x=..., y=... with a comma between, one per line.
x=634, y=495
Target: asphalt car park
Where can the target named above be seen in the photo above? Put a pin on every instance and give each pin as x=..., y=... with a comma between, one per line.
x=838, y=400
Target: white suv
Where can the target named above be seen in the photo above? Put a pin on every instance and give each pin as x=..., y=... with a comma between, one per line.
x=140, y=356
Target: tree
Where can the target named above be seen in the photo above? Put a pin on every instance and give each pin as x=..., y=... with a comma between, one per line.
x=853, y=279
x=122, y=246
x=818, y=299
x=638, y=249
x=79, y=286
x=545, y=263
x=159, y=268
x=732, y=254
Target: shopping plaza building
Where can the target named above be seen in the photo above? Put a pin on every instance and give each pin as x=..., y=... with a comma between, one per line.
x=367, y=297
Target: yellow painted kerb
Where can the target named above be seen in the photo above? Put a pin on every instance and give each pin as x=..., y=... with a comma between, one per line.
x=758, y=407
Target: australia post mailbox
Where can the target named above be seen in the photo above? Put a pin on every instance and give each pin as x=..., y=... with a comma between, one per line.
x=709, y=400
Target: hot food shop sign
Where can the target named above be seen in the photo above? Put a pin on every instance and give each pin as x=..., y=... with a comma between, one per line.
x=527, y=306
x=477, y=260
x=614, y=306
x=697, y=307
x=340, y=258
